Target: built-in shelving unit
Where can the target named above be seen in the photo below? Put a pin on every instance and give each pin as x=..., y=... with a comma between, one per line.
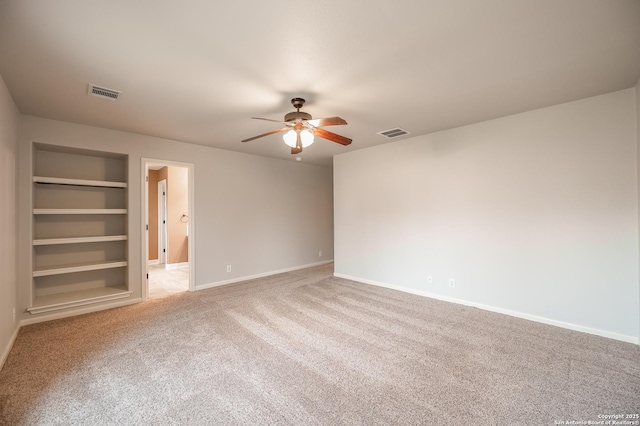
x=79, y=228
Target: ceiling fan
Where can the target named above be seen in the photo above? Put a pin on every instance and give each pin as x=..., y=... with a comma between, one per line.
x=301, y=128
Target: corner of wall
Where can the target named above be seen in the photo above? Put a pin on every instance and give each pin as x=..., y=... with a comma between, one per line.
x=638, y=172
x=9, y=143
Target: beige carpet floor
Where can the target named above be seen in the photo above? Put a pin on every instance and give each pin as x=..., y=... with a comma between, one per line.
x=306, y=348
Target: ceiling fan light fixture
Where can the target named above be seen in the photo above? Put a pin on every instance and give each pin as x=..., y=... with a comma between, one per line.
x=290, y=138
x=307, y=138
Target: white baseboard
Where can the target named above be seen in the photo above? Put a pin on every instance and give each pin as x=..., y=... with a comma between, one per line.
x=543, y=320
x=176, y=265
x=5, y=353
x=265, y=274
x=154, y=262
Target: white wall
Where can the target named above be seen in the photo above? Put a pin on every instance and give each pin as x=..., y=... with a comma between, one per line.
x=9, y=120
x=254, y=213
x=534, y=214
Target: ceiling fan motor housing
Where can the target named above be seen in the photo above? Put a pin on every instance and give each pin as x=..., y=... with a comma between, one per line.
x=292, y=116
x=297, y=115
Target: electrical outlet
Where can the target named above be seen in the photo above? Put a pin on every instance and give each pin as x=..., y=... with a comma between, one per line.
x=228, y=268
x=452, y=282
x=320, y=253
x=429, y=279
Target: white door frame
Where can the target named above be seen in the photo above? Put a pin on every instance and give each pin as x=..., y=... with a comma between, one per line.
x=191, y=244
x=163, y=243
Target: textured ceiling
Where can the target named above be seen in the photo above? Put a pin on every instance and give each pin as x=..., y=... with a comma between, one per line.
x=197, y=70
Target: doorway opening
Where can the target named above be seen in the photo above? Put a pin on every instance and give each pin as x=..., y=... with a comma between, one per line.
x=169, y=223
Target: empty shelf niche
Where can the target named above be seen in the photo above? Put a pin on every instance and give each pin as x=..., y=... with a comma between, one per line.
x=67, y=197
x=57, y=292
x=78, y=226
x=52, y=161
x=54, y=259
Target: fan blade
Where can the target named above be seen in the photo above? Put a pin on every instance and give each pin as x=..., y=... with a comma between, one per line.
x=284, y=129
x=267, y=119
x=325, y=134
x=298, y=148
x=330, y=121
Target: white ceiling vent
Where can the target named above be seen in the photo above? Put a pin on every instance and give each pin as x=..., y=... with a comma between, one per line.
x=393, y=133
x=103, y=92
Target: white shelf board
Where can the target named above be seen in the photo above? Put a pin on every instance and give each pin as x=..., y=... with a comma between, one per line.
x=57, y=301
x=78, y=240
x=78, y=267
x=79, y=211
x=79, y=182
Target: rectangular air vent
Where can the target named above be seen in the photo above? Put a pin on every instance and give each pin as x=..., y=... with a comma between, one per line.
x=393, y=133
x=103, y=92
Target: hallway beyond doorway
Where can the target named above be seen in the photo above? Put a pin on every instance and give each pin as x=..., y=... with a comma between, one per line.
x=165, y=282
